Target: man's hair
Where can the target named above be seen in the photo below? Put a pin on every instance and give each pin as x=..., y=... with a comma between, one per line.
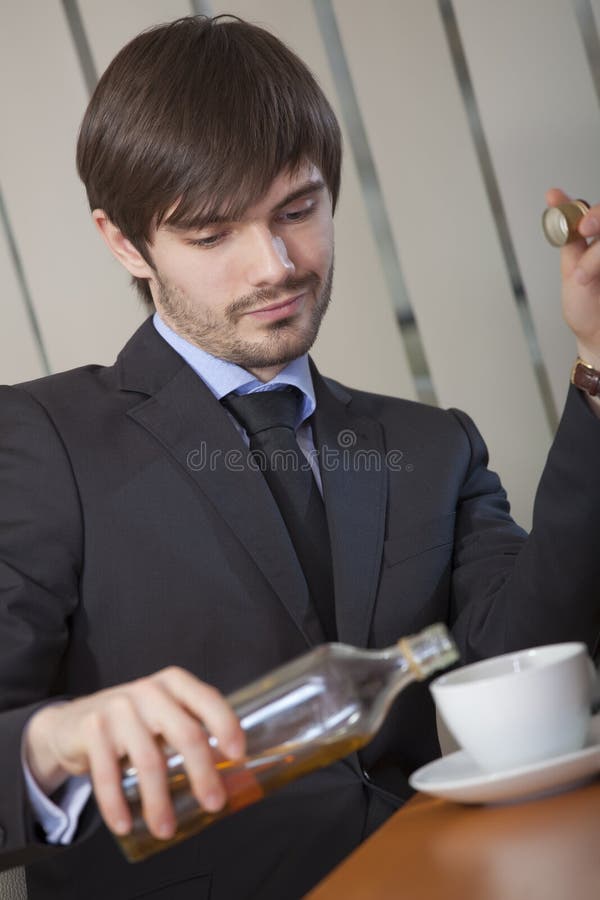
x=195, y=119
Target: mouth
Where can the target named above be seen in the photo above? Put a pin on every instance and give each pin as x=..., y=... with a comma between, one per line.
x=280, y=309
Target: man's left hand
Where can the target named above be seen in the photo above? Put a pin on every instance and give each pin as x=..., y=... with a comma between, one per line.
x=580, y=270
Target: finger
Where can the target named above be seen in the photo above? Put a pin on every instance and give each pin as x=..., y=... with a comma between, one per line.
x=588, y=265
x=572, y=252
x=105, y=772
x=131, y=736
x=589, y=226
x=182, y=731
x=207, y=704
x=554, y=196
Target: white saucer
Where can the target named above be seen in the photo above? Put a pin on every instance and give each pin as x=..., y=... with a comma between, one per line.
x=458, y=777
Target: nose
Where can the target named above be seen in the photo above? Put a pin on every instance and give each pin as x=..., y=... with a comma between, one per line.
x=268, y=260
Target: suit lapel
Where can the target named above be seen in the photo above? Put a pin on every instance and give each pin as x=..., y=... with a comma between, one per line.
x=185, y=417
x=352, y=457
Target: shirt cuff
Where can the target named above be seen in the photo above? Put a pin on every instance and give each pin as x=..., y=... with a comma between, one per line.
x=59, y=820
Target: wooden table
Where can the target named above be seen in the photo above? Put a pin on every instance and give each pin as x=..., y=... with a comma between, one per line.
x=546, y=849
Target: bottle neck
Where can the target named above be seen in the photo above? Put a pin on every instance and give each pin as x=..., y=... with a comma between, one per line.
x=430, y=650
x=389, y=671
x=378, y=675
x=392, y=659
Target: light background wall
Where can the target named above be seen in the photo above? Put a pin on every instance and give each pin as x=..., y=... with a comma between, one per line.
x=457, y=115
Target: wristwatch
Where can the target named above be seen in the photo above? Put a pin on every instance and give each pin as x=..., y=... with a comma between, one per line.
x=585, y=377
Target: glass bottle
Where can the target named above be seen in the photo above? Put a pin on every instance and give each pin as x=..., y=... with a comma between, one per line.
x=299, y=717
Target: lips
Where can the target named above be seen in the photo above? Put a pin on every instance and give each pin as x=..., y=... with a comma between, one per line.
x=281, y=310
x=279, y=305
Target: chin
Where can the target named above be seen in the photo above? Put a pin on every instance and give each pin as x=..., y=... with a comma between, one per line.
x=281, y=352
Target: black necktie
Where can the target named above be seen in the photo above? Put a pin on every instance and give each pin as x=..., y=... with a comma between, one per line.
x=269, y=419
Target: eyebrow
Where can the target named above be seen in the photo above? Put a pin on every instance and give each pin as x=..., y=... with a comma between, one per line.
x=308, y=187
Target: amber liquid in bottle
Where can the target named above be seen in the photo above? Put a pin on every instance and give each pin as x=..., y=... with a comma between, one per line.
x=246, y=781
x=298, y=718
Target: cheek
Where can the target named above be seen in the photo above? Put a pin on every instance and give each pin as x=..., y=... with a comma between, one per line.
x=213, y=282
x=313, y=252
x=202, y=279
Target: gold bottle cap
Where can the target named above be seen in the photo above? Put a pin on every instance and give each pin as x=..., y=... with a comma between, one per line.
x=560, y=222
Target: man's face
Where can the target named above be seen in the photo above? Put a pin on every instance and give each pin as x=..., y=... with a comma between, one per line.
x=253, y=291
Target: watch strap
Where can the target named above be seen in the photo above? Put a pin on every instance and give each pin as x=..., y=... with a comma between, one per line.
x=585, y=377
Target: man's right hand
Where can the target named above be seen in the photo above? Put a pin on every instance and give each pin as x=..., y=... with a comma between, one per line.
x=93, y=734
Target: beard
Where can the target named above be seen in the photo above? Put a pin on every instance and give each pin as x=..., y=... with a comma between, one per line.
x=218, y=332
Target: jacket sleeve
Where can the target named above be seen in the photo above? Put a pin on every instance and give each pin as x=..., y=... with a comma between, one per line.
x=511, y=591
x=40, y=561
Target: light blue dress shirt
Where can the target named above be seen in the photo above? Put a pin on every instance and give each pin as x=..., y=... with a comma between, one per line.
x=224, y=377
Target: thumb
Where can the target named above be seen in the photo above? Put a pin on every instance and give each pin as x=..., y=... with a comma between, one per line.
x=554, y=196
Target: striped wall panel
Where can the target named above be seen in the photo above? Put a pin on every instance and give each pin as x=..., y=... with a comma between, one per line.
x=482, y=321
x=80, y=295
x=540, y=114
x=20, y=356
x=445, y=230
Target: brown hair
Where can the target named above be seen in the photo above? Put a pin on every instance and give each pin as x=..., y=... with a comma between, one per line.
x=202, y=113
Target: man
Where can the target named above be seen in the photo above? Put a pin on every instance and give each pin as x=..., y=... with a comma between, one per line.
x=147, y=568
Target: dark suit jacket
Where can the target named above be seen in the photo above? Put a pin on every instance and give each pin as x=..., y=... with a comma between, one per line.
x=130, y=540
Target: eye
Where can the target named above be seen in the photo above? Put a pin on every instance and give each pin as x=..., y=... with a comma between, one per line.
x=298, y=211
x=207, y=242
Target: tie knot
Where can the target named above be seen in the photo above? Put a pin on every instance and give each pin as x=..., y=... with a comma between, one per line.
x=265, y=409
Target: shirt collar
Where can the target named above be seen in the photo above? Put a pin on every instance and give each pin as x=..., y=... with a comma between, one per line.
x=222, y=377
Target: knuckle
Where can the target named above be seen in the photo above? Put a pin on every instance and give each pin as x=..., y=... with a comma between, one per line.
x=143, y=683
x=212, y=694
x=120, y=704
x=148, y=688
x=106, y=784
x=93, y=724
x=173, y=672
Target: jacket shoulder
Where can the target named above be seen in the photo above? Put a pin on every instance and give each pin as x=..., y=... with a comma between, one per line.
x=390, y=410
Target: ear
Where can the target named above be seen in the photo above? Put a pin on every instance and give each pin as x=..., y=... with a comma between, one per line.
x=121, y=247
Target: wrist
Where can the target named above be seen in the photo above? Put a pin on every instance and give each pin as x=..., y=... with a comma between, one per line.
x=47, y=772
x=589, y=355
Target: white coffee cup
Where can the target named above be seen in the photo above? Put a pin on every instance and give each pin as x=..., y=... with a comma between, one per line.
x=521, y=707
